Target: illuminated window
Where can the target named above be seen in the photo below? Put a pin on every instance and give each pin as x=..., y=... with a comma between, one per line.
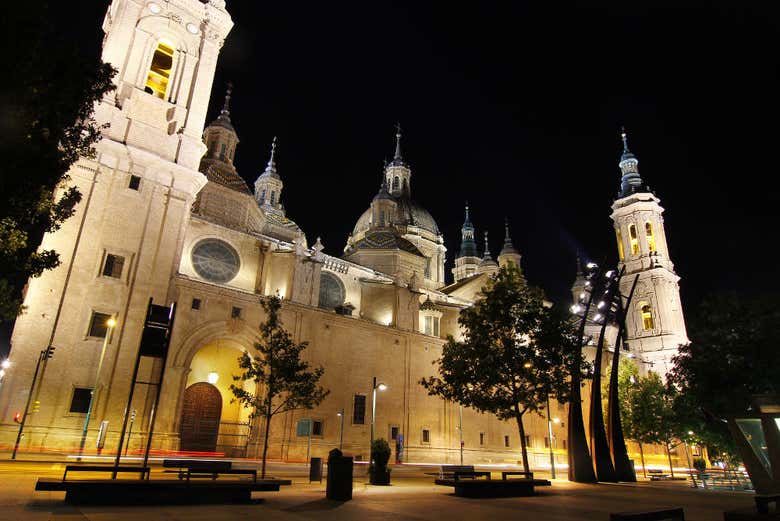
x=621, y=254
x=431, y=326
x=633, y=238
x=647, y=317
x=160, y=71
x=650, y=237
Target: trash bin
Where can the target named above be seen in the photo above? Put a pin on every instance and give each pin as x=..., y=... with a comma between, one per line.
x=339, y=484
x=315, y=470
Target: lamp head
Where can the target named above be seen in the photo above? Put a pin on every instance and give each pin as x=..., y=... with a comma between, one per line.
x=381, y=387
x=111, y=322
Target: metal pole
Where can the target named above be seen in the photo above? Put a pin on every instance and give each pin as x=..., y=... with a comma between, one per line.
x=130, y=431
x=308, y=447
x=550, y=437
x=341, y=433
x=27, y=405
x=373, y=416
x=92, y=394
x=460, y=428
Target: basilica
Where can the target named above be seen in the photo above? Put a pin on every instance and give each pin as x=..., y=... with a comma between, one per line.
x=165, y=216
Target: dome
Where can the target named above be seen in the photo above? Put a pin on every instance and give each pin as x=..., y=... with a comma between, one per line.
x=408, y=212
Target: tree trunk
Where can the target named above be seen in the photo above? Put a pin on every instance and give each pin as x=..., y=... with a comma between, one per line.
x=642, y=457
x=669, y=456
x=524, y=449
x=268, y=417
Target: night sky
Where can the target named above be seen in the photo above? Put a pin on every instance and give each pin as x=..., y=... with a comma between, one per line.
x=517, y=108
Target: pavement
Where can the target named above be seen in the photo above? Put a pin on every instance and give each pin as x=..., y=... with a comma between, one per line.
x=412, y=496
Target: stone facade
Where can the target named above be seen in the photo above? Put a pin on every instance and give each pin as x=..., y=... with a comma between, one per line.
x=166, y=217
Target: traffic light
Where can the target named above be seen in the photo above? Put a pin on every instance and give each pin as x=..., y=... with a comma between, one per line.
x=49, y=353
x=18, y=417
x=36, y=406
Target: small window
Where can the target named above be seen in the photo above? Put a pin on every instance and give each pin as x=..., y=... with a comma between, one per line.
x=564, y=444
x=262, y=196
x=428, y=268
x=621, y=254
x=359, y=410
x=273, y=198
x=196, y=304
x=647, y=317
x=79, y=403
x=528, y=440
x=634, y=240
x=316, y=428
x=393, y=432
x=431, y=326
x=481, y=438
x=160, y=70
x=426, y=436
x=650, y=237
x=546, y=442
x=98, y=325
x=113, y=266
x=135, y=182
x=506, y=441
x=396, y=183
x=222, y=152
x=235, y=312
x=381, y=217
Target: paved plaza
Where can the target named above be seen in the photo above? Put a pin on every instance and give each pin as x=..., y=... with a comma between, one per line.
x=411, y=497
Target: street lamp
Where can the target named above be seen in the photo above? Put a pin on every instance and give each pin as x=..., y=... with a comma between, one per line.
x=550, y=439
x=340, y=414
x=381, y=387
x=110, y=323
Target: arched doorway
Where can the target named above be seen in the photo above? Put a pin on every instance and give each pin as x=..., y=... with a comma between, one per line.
x=201, y=413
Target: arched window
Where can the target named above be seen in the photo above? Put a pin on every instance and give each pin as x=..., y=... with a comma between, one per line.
x=428, y=268
x=633, y=239
x=160, y=70
x=647, y=317
x=649, y=235
x=381, y=217
x=273, y=198
x=262, y=196
x=332, y=292
x=222, y=152
x=621, y=253
x=396, y=183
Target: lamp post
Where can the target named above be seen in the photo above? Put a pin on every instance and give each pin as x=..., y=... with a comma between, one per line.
x=381, y=387
x=110, y=323
x=460, y=428
x=340, y=414
x=550, y=438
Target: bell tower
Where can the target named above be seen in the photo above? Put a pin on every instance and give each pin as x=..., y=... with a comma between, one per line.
x=655, y=324
x=123, y=244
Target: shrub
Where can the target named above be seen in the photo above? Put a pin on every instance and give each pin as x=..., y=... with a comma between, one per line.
x=380, y=452
x=700, y=464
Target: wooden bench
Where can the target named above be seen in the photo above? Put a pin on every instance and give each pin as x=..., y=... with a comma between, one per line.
x=763, y=501
x=157, y=491
x=669, y=514
x=483, y=488
x=143, y=471
x=448, y=471
x=204, y=468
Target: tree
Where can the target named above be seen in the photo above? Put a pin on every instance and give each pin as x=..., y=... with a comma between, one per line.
x=514, y=355
x=283, y=382
x=46, y=127
x=653, y=417
x=733, y=348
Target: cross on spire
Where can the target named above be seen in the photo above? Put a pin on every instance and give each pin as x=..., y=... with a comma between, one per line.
x=624, y=136
x=226, y=107
x=397, y=142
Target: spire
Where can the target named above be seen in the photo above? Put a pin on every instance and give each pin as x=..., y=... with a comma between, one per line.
x=630, y=181
x=397, y=157
x=508, y=246
x=270, y=168
x=223, y=120
x=468, y=247
x=488, y=265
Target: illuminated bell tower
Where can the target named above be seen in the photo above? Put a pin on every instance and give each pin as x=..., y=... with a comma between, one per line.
x=655, y=325
x=123, y=244
x=467, y=261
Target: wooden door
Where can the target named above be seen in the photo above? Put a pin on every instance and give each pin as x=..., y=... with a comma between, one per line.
x=200, y=418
